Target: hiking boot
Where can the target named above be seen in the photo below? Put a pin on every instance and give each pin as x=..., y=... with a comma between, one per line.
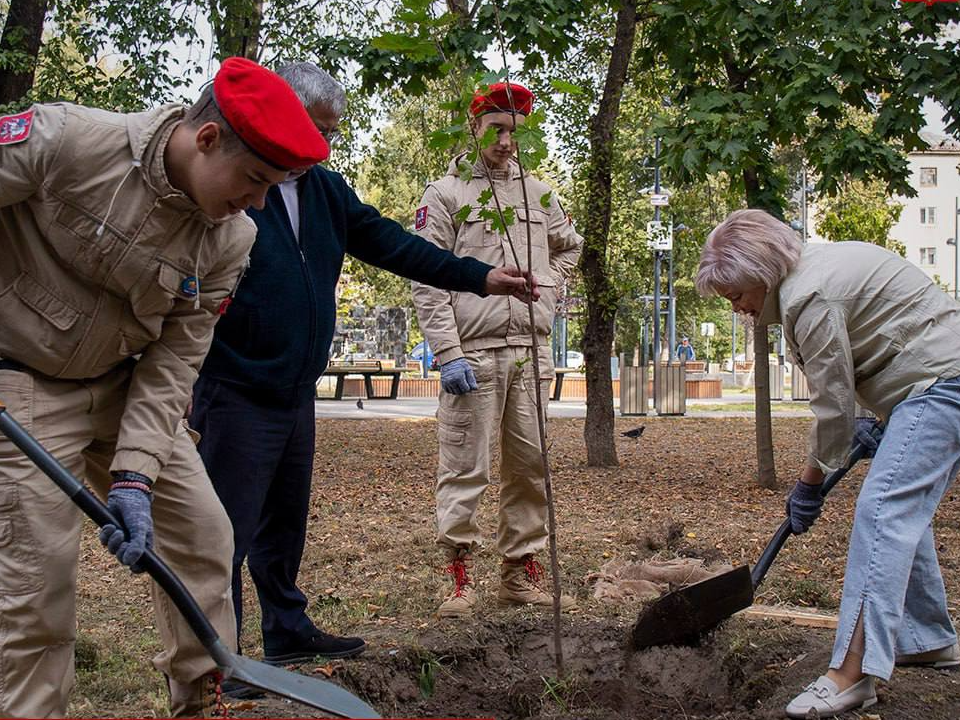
x=304, y=648
x=200, y=699
x=460, y=602
x=521, y=583
x=823, y=699
x=946, y=657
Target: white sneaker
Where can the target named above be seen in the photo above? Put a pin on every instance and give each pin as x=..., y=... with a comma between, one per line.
x=823, y=698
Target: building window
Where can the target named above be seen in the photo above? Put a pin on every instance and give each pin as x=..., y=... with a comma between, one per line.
x=928, y=256
x=928, y=177
x=928, y=216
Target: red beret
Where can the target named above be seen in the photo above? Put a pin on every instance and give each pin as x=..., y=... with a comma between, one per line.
x=267, y=115
x=496, y=99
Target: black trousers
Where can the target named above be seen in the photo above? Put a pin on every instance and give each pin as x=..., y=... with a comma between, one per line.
x=260, y=459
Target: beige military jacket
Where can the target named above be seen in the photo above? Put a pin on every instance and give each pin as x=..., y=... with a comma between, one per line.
x=864, y=325
x=454, y=322
x=99, y=258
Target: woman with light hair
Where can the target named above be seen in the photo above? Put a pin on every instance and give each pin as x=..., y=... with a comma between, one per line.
x=865, y=326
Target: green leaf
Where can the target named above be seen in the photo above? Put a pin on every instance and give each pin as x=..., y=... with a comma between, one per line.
x=562, y=86
x=465, y=171
x=485, y=196
x=462, y=214
x=545, y=199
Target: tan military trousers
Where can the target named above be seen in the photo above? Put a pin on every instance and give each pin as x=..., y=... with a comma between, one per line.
x=504, y=408
x=77, y=422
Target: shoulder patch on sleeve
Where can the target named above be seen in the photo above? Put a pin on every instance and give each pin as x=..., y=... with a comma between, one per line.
x=420, y=220
x=15, y=128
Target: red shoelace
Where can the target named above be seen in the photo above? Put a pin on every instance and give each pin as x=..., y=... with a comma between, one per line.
x=458, y=568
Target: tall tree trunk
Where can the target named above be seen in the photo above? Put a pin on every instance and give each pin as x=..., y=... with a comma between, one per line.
x=766, y=467
x=236, y=24
x=20, y=43
x=601, y=300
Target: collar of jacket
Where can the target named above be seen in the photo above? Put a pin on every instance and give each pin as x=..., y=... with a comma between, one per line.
x=510, y=173
x=149, y=133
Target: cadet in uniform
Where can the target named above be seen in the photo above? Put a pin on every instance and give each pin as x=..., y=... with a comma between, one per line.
x=122, y=239
x=484, y=346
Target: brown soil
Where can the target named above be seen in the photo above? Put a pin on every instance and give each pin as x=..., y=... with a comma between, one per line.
x=684, y=489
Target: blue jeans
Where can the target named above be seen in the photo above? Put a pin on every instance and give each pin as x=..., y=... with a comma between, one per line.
x=893, y=578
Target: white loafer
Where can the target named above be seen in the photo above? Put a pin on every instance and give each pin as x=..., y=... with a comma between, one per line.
x=945, y=657
x=823, y=699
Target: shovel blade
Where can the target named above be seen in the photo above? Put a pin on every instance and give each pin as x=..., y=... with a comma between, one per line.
x=682, y=617
x=311, y=691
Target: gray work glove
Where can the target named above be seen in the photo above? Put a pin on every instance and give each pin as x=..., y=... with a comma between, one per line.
x=129, y=500
x=803, y=506
x=457, y=378
x=869, y=433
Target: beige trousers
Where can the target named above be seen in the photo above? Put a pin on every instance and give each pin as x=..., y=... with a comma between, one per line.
x=77, y=421
x=503, y=407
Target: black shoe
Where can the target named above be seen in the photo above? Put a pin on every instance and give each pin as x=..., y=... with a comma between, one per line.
x=320, y=644
x=238, y=691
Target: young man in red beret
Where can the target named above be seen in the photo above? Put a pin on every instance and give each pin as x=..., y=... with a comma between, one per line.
x=123, y=240
x=484, y=346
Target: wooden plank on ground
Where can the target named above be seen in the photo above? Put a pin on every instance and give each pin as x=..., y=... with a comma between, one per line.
x=793, y=615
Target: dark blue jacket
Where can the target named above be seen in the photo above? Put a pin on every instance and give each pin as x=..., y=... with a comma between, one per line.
x=274, y=339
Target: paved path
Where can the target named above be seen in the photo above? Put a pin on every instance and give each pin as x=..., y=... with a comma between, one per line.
x=427, y=407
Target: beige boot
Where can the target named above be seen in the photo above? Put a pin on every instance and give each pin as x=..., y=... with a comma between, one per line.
x=460, y=602
x=199, y=699
x=521, y=583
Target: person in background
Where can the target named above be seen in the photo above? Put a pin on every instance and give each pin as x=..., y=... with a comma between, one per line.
x=485, y=350
x=865, y=326
x=685, y=351
x=253, y=403
x=122, y=237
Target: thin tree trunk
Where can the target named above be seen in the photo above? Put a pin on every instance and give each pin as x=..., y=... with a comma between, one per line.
x=601, y=300
x=766, y=471
x=237, y=28
x=20, y=42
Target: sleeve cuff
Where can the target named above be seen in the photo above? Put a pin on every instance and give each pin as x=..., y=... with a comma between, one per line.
x=476, y=276
x=136, y=461
x=445, y=356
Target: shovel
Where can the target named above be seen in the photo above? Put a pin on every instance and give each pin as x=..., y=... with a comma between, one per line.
x=683, y=616
x=314, y=692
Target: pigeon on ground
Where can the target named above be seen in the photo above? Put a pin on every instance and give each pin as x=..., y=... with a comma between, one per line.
x=360, y=403
x=635, y=433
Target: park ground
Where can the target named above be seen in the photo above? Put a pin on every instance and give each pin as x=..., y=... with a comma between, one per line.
x=684, y=489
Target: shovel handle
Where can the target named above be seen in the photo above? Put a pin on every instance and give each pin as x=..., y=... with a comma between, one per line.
x=98, y=512
x=784, y=531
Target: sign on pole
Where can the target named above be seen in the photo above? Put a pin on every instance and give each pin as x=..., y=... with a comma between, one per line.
x=660, y=235
x=660, y=200
x=708, y=329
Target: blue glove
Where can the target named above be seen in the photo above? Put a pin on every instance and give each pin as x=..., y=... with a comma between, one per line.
x=457, y=378
x=868, y=432
x=129, y=500
x=803, y=506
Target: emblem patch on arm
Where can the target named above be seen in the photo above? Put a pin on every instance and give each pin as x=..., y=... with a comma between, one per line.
x=420, y=221
x=15, y=128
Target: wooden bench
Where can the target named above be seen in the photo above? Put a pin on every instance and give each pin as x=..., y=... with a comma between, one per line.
x=558, y=382
x=694, y=366
x=367, y=370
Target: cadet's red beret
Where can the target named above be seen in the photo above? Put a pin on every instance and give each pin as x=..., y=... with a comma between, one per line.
x=267, y=115
x=496, y=99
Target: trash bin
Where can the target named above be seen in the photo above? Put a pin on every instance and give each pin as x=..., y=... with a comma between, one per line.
x=672, y=390
x=776, y=382
x=633, y=389
x=799, y=389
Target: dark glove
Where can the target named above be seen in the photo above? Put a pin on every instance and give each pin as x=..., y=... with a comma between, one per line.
x=129, y=500
x=868, y=432
x=803, y=506
x=457, y=378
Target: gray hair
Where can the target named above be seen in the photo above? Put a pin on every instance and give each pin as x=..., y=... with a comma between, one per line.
x=314, y=86
x=749, y=248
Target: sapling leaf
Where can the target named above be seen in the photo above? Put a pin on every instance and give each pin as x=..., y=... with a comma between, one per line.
x=545, y=199
x=462, y=214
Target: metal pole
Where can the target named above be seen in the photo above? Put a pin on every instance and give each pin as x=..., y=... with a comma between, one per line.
x=803, y=201
x=657, y=256
x=956, y=247
x=733, y=348
x=671, y=308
